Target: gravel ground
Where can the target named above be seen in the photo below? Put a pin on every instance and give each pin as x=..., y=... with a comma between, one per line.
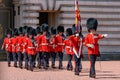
x=109, y=70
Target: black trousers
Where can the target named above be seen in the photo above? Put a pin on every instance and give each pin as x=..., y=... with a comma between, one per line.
x=26, y=58
x=92, y=64
x=60, y=55
x=15, y=58
x=45, y=59
x=77, y=63
x=20, y=58
x=9, y=56
x=69, y=65
x=39, y=58
x=31, y=60
x=53, y=56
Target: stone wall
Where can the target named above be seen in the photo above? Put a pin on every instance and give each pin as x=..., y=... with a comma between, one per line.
x=106, y=11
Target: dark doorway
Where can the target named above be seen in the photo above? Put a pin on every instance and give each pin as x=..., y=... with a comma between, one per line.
x=43, y=18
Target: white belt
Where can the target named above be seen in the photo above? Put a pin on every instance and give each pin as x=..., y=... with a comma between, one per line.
x=60, y=43
x=44, y=44
x=68, y=47
x=31, y=47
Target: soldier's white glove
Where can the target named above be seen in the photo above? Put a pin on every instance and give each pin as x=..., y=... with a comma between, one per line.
x=77, y=35
x=91, y=46
x=105, y=35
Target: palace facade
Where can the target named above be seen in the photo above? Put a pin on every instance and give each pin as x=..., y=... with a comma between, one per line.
x=61, y=12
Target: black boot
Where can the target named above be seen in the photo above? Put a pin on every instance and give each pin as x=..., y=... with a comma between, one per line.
x=9, y=65
x=77, y=73
x=53, y=66
x=92, y=76
x=31, y=68
x=15, y=65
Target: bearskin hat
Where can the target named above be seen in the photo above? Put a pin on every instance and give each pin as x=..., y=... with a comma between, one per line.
x=25, y=29
x=92, y=23
x=8, y=31
x=74, y=29
x=45, y=27
x=53, y=30
x=20, y=30
x=15, y=32
x=69, y=32
x=31, y=31
x=60, y=29
x=38, y=30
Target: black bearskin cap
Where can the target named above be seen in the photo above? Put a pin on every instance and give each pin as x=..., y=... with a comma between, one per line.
x=74, y=29
x=92, y=23
x=15, y=32
x=20, y=30
x=31, y=31
x=38, y=30
x=45, y=27
x=60, y=29
x=9, y=31
x=53, y=30
x=25, y=29
x=69, y=32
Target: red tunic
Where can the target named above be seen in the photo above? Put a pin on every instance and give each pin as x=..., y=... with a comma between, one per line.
x=19, y=44
x=31, y=49
x=44, y=44
x=14, y=44
x=38, y=41
x=25, y=38
x=93, y=39
x=77, y=43
x=60, y=43
x=68, y=46
x=53, y=45
x=7, y=44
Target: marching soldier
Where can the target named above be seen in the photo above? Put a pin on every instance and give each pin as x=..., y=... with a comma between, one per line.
x=45, y=45
x=7, y=45
x=53, y=46
x=39, y=52
x=14, y=44
x=20, y=46
x=91, y=41
x=31, y=48
x=60, y=44
x=25, y=37
x=78, y=46
x=69, y=48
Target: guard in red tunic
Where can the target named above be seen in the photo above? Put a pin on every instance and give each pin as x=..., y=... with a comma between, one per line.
x=31, y=48
x=25, y=38
x=78, y=48
x=60, y=44
x=53, y=46
x=69, y=48
x=7, y=45
x=20, y=46
x=91, y=41
x=38, y=41
x=45, y=45
x=14, y=44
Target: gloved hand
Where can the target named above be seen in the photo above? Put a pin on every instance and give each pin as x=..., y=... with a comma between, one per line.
x=77, y=35
x=105, y=35
x=91, y=46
